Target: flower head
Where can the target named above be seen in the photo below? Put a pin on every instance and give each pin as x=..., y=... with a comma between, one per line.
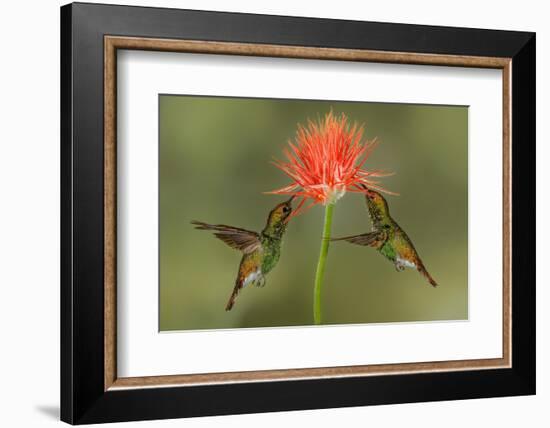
x=326, y=160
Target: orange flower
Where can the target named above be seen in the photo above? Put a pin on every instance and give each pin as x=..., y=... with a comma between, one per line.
x=326, y=160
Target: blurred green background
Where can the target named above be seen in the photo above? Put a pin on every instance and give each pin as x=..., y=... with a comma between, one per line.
x=215, y=155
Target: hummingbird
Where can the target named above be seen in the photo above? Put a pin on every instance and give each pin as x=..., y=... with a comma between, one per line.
x=261, y=251
x=387, y=237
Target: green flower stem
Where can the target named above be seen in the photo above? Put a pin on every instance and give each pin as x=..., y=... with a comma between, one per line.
x=325, y=241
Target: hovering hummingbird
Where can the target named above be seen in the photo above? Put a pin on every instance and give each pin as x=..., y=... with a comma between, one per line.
x=387, y=237
x=261, y=251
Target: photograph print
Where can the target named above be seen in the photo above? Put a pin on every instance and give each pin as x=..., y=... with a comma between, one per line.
x=288, y=212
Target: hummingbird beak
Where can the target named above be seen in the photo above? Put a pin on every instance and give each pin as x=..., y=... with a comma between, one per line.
x=366, y=191
x=288, y=203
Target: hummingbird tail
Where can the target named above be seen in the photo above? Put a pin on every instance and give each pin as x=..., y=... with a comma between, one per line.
x=232, y=298
x=230, y=303
x=424, y=272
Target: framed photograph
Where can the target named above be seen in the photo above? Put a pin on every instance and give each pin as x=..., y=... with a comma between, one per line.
x=265, y=213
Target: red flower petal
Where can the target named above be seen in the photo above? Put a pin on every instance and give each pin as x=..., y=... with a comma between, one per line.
x=326, y=160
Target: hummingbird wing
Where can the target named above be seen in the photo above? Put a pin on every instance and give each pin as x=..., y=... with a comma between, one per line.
x=237, y=238
x=371, y=239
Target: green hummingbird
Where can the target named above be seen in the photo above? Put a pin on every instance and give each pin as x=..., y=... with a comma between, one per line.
x=261, y=251
x=387, y=237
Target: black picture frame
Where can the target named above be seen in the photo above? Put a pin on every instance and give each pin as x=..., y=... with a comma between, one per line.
x=83, y=396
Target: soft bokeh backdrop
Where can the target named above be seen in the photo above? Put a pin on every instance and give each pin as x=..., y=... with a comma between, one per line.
x=215, y=155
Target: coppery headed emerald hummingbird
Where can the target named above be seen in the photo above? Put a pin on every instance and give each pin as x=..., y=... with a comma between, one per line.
x=387, y=237
x=261, y=251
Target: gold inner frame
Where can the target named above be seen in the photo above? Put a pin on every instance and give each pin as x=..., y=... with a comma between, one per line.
x=112, y=43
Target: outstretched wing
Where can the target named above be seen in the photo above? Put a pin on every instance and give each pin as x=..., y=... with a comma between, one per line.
x=237, y=238
x=371, y=239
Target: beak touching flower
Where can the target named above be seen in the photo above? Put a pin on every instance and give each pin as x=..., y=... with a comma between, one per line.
x=326, y=160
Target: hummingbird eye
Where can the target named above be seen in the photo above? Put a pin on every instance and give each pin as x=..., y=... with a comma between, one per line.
x=286, y=209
